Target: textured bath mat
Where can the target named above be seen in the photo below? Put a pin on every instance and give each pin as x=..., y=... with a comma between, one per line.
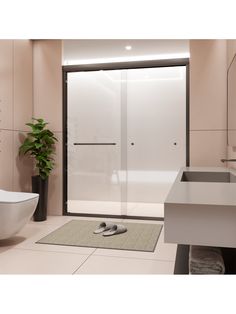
x=139, y=237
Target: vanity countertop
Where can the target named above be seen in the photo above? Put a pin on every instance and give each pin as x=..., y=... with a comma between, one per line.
x=204, y=193
x=202, y=213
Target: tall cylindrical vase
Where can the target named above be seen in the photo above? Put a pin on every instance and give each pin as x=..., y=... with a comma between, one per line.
x=40, y=186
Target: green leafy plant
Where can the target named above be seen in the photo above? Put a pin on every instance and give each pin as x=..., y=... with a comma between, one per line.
x=39, y=144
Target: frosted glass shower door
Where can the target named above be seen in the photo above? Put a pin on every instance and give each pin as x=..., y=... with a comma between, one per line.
x=126, y=139
x=94, y=152
x=156, y=128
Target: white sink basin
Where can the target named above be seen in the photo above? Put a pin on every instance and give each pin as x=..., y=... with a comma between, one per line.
x=206, y=176
x=200, y=208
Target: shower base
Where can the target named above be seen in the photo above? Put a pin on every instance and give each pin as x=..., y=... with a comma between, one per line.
x=116, y=208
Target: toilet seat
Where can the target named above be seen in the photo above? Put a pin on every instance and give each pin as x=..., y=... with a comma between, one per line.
x=16, y=197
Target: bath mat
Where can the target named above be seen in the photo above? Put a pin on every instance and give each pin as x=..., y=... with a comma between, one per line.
x=139, y=237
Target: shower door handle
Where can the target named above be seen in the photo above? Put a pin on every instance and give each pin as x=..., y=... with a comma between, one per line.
x=94, y=143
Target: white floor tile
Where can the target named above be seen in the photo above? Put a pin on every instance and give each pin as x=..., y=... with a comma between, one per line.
x=60, y=220
x=21, y=254
x=163, y=251
x=55, y=220
x=31, y=233
x=160, y=222
x=117, y=265
x=16, y=261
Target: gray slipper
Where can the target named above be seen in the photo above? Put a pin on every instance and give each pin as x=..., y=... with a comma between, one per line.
x=116, y=229
x=103, y=227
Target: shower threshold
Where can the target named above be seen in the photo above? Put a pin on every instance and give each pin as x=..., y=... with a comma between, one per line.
x=115, y=208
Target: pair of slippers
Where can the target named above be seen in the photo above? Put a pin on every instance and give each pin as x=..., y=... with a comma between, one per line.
x=110, y=229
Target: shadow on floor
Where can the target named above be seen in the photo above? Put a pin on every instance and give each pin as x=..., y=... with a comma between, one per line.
x=9, y=243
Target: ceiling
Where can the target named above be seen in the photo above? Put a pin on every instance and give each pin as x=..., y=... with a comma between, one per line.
x=111, y=50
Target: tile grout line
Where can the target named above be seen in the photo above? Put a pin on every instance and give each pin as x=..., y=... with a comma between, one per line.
x=137, y=258
x=32, y=73
x=38, y=250
x=13, y=111
x=92, y=253
x=83, y=262
x=24, y=131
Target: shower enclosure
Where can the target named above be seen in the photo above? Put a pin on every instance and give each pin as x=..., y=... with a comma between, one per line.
x=125, y=136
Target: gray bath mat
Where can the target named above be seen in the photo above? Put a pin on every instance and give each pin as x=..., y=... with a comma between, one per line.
x=139, y=237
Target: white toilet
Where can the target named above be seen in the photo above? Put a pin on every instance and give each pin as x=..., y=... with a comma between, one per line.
x=16, y=208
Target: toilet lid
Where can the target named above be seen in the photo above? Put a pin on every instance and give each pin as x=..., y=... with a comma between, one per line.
x=15, y=197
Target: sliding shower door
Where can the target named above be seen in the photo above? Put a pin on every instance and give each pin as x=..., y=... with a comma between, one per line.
x=156, y=125
x=126, y=139
x=94, y=142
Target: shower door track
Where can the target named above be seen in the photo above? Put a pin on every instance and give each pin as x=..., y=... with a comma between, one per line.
x=115, y=66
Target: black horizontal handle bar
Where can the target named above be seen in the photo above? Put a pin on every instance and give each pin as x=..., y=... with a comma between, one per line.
x=94, y=143
x=224, y=160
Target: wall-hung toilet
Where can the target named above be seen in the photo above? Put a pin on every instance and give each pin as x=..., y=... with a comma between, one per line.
x=16, y=208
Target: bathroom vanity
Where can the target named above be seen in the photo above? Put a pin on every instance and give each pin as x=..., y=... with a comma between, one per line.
x=200, y=208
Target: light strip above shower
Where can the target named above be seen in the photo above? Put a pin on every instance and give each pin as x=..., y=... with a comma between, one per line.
x=128, y=59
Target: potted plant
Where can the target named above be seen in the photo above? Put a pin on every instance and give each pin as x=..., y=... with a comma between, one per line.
x=39, y=144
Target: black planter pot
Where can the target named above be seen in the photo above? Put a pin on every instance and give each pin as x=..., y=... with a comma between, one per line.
x=40, y=186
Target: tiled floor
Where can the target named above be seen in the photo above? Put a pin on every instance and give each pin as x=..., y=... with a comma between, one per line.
x=21, y=255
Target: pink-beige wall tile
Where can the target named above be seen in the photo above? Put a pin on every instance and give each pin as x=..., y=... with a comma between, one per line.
x=55, y=181
x=22, y=165
x=15, y=109
x=47, y=69
x=231, y=151
x=208, y=84
x=6, y=84
x=47, y=77
x=231, y=50
x=6, y=160
x=23, y=83
x=231, y=154
x=207, y=148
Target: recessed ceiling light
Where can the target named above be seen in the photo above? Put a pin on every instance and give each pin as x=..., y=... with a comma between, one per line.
x=128, y=47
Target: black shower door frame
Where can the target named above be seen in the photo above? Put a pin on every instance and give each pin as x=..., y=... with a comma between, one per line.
x=115, y=66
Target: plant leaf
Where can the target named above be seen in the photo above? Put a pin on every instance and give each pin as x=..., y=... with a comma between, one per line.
x=40, y=145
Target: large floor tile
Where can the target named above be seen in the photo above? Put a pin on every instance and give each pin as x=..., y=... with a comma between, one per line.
x=16, y=261
x=141, y=221
x=21, y=254
x=118, y=265
x=31, y=233
x=61, y=220
x=163, y=251
x=55, y=220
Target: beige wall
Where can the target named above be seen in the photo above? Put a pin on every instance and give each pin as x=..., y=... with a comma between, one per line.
x=231, y=51
x=208, y=96
x=16, y=103
x=30, y=72
x=47, y=80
